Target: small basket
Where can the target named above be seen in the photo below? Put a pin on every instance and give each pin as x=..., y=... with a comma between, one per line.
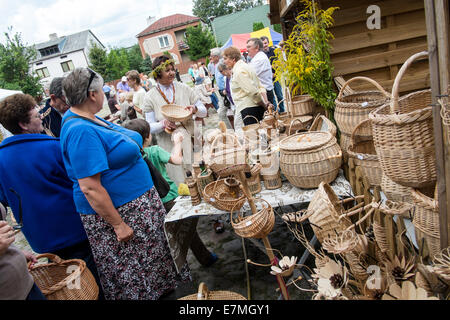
x=254, y=182
x=257, y=225
x=294, y=124
x=322, y=123
x=221, y=197
x=300, y=105
x=362, y=150
x=205, y=294
x=228, y=160
x=426, y=221
x=273, y=181
x=56, y=283
x=196, y=198
x=203, y=180
x=175, y=113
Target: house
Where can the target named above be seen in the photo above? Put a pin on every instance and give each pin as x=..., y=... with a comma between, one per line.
x=240, y=22
x=61, y=55
x=168, y=34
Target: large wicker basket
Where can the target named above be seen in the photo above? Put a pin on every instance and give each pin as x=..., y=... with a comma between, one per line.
x=307, y=159
x=56, y=283
x=226, y=160
x=403, y=135
x=205, y=294
x=394, y=191
x=222, y=197
x=426, y=221
x=175, y=113
x=353, y=108
x=300, y=105
x=362, y=150
x=257, y=225
x=322, y=123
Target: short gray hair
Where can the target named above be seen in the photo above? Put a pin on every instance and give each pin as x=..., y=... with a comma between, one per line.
x=222, y=67
x=215, y=52
x=75, y=84
x=56, y=87
x=257, y=42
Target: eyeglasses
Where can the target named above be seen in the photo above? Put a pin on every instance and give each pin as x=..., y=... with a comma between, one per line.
x=90, y=81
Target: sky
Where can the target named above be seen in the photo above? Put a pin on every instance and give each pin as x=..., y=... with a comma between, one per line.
x=115, y=22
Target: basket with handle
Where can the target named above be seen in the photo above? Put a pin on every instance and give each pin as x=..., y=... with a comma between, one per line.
x=175, y=113
x=403, y=135
x=362, y=150
x=353, y=108
x=257, y=225
x=322, y=123
x=426, y=221
x=250, y=132
x=223, y=197
x=205, y=294
x=308, y=158
x=64, y=279
x=295, y=123
x=300, y=105
x=226, y=160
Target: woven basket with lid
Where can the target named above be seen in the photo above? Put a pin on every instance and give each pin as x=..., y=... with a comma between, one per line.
x=307, y=159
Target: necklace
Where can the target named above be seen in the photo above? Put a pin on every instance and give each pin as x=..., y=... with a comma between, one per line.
x=164, y=96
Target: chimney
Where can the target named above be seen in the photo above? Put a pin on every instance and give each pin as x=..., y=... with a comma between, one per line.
x=150, y=20
x=53, y=36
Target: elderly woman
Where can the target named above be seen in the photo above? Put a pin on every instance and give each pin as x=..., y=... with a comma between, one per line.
x=168, y=91
x=114, y=194
x=134, y=81
x=248, y=95
x=34, y=183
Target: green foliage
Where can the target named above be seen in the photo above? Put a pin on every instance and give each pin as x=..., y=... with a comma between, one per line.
x=277, y=28
x=307, y=67
x=15, y=60
x=258, y=26
x=117, y=65
x=146, y=65
x=207, y=8
x=134, y=57
x=98, y=59
x=200, y=40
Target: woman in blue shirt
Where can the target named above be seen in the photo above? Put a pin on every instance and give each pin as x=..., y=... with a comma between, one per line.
x=113, y=191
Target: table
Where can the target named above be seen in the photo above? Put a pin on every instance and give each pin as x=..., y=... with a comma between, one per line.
x=181, y=222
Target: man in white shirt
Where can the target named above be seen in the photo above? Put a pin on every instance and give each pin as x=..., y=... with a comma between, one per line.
x=261, y=65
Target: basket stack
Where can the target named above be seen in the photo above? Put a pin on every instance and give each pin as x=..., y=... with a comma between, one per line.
x=403, y=135
x=362, y=150
x=307, y=159
x=205, y=294
x=257, y=225
x=223, y=197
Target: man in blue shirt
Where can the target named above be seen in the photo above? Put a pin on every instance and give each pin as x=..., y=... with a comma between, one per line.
x=216, y=60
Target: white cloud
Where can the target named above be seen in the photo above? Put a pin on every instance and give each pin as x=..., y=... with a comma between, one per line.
x=110, y=20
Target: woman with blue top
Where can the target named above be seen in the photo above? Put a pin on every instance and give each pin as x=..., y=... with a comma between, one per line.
x=113, y=191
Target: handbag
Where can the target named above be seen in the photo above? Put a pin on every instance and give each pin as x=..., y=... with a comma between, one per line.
x=161, y=184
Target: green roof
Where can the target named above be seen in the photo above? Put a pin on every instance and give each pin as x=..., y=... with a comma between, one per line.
x=240, y=22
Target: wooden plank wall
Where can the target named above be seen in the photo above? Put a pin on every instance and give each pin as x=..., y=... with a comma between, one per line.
x=378, y=54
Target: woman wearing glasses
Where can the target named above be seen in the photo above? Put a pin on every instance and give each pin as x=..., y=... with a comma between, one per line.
x=113, y=191
x=35, y=185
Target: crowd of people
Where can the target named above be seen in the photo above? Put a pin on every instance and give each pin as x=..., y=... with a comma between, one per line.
x=80, y=186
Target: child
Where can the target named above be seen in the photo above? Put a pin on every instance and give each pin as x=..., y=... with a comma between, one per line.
x=160, y=157
x=127, y=111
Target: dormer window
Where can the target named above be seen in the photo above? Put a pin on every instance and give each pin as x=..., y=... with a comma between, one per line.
x=49, y=51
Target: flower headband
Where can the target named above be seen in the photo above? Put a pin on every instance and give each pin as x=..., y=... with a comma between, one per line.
x=162, y=67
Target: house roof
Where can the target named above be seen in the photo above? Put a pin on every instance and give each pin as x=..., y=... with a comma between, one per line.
x=240, y=22
x=167, y=23
x=66, y=44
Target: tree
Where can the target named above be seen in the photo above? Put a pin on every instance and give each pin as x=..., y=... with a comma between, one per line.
x=117, y=65
x=258, y=26
x=98, y=59
x=134, y=57
x=207, y=8
x=15, y=60
x=146, y=65
x=200, y=40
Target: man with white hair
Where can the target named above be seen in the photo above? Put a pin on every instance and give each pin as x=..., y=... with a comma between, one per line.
x=215, y=57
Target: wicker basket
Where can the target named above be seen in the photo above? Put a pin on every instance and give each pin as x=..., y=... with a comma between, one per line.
x=362, y=150
x=300, y=105
x=205, y=294
x=56, y=283
x=175, y=113
x=344, y=142
x=426, y=221
x=203, y=180
x=394, y=191
x=196, y=198
x=307, y=159
x=353, y=108
x=322, y=123
x=226, y=161
x=403, y=135
x=222, y=197
x=254, y=182
x=294, y=123
x=272, y=181
x=257, y=225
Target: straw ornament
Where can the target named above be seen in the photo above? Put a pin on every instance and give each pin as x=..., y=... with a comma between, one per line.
x=161, y=67
x=400, y=269
x=285, y=267
x=342, y=243
x=407, y=291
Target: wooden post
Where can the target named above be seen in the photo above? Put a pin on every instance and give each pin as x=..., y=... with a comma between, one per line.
x=437, y=21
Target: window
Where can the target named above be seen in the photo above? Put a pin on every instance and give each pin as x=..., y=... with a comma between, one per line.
x=43, y=73
x=49, y=51
x=163, y=41
x=67, y=66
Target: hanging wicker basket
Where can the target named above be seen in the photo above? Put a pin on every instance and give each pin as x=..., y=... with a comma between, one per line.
x=257, y=225
x=205, y=294
x=322, y=123
x=175, y=113
x=226, y=160
x=403, y=135
x=426, y=221
x=352, y=109
x=362, y=150
x=307, y=159
x=222, y=197
x=56, y=283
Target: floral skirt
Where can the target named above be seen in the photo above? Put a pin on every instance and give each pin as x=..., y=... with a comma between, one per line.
x=141, y=268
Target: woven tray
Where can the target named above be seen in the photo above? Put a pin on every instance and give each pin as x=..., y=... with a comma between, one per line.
x=175, y=113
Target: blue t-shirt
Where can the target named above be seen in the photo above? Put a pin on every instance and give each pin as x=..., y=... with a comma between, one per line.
x=89, y=149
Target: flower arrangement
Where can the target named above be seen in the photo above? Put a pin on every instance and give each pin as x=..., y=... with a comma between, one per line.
x=305, y=62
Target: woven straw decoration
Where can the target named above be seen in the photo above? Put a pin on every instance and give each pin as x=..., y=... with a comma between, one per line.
x=205, y=294
x=322, y=123
x=362, y=150
x=55, y=283
x=257, y=225
x=221, y=197
x=307, y=159
x=353, y=108
x=403, y=135
x=175, y=113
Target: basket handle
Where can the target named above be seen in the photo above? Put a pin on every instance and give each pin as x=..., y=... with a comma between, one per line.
x=353, y=136
x=202, y=292
x=294, y=120
x=216, y=140
x=395, y=87
x=376, y=84
x=50, y=256
x=249, y=115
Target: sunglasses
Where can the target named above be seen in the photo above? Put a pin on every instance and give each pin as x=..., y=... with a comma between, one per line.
x=90, y=81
